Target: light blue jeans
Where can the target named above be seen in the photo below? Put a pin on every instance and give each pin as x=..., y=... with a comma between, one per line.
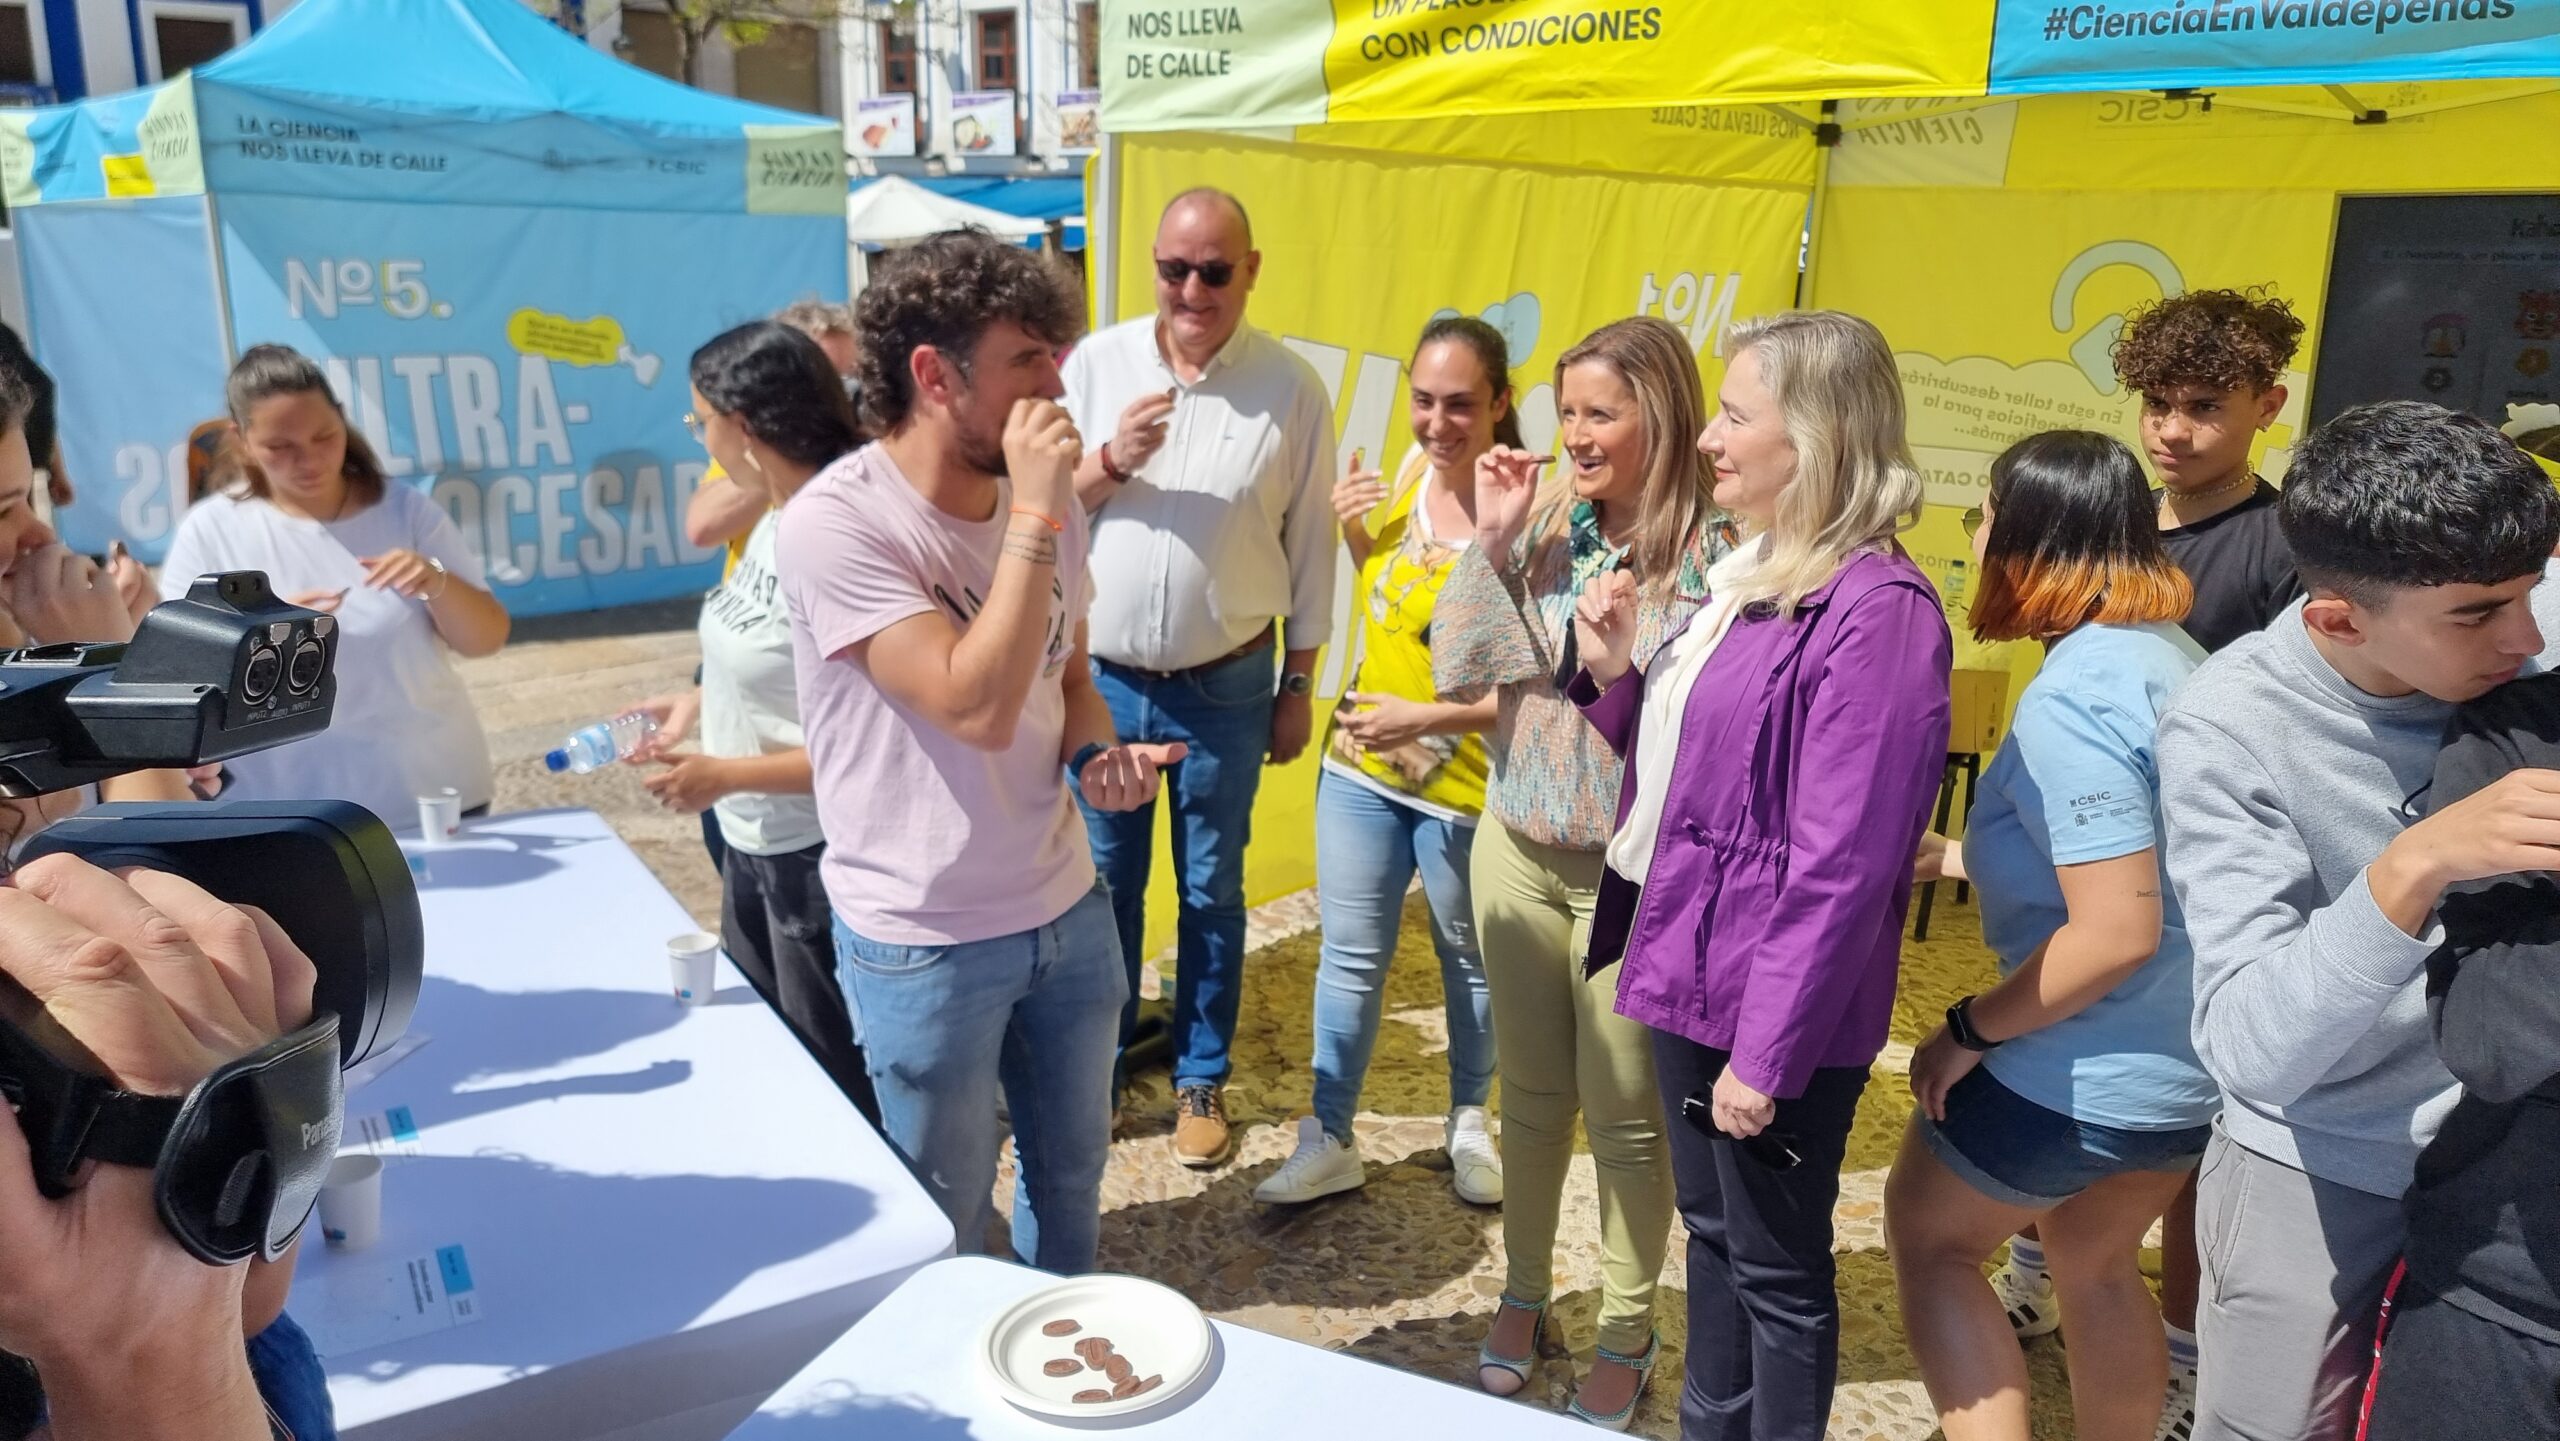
x=1367, y=849
x=1038, y=1011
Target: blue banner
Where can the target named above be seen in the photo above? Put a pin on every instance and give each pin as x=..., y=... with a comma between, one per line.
x=526, y=366
x=121, y=300
x=2054, y=45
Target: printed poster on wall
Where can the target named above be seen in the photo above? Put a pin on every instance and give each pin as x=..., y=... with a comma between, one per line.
x=883, y=127
x=982, y=123
x=523, y=369
x=1079, y=121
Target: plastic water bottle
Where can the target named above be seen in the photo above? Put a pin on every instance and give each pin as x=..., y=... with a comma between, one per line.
x=603, y=743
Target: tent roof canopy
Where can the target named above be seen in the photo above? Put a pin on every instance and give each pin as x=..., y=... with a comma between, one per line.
x=487, y=103
x=468, y=60
x=1284, y=63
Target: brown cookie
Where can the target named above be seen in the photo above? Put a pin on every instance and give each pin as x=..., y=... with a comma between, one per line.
x=1062, y=1328
x=1063, y=1366
x=1125, y=1389
x=1117, y=1368
x=1148, y=1385
x=1092, y=1398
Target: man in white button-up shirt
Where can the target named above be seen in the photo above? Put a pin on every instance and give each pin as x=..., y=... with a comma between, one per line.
x=1213, y=545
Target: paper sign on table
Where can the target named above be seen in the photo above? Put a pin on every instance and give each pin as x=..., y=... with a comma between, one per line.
x=391, y=1134
x=367, y=1304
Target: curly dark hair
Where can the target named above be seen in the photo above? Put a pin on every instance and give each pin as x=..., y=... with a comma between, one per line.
x=944, y=293
x=2406, y=494
x=2226, y=339
x=776, y=381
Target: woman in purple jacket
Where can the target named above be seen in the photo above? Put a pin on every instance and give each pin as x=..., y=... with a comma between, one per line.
x=1783, y=751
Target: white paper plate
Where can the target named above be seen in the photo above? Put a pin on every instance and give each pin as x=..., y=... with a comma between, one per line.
x=1156, y=1328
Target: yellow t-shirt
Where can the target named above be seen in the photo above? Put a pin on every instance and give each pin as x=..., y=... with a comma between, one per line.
x=738, y=542
x=1399, y=588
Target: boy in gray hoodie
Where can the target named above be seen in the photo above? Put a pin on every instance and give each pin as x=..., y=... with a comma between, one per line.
x=2290, y=768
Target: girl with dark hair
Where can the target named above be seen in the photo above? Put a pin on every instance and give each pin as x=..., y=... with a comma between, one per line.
x=2069, y=1095
x=302, y=498
x=769, y=408
x=1404, y=774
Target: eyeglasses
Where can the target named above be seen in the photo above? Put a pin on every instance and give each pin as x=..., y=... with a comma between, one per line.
x=1213, y=273
x=693, y=426
x=1973, y=522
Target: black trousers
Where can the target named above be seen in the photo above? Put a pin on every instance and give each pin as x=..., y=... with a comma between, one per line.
x=776, y=925
x=1764, y=1318
x=2448, y=1375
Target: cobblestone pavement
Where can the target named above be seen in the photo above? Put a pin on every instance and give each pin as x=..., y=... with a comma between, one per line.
x=1400, y=1272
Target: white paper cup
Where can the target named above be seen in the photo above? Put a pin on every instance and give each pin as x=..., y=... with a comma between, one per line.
x=693, y=955
x=440, y=815
x=351, y=1202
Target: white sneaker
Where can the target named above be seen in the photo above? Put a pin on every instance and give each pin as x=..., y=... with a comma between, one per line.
x=2178, y=1411
x=2028, y=1298
x=1475, y=1165
x=1321, y=1166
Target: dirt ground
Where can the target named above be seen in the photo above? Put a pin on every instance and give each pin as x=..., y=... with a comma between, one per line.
x=1400, y=1272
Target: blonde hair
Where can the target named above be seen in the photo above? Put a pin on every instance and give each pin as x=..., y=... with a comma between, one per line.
x=1655, y=361
x=1856, y=486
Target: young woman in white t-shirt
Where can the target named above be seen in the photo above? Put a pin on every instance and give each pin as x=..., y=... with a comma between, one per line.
x=302, y=498
x=769, y=408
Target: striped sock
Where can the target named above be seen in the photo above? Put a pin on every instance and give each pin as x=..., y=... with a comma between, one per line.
x=2182, y=1347
x=2026, y=1257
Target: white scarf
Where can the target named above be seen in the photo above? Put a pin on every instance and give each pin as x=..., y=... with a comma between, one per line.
x=1674, y=674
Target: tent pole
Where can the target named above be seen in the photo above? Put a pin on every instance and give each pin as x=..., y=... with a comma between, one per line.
x=1805, y=292
x=1102, y=233
x=221, y=280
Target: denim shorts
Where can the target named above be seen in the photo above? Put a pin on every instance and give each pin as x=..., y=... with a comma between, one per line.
x=2020, y=1154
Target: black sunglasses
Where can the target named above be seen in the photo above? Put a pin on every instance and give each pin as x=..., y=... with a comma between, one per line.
x=1770, y=1149
x=1213, y=273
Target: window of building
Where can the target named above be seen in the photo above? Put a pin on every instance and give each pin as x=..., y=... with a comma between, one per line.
x=177, y=35
x=897, y=60
x=22, y=51
x=783, y=69
x=996, y=49
x=1088, y=46
x=649, y=41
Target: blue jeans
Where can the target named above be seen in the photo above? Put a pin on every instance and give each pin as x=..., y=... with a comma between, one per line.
x=1223, y=712
x=291, y=1382
x=1367, y=849
x=941, y=1026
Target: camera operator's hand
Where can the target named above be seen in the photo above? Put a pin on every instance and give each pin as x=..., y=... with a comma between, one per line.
x=59, y=595
x=134, y=1338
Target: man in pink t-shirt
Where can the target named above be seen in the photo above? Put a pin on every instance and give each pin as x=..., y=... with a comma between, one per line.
x=936, y=586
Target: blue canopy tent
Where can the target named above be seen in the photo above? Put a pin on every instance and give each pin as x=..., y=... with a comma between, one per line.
x=501, y=243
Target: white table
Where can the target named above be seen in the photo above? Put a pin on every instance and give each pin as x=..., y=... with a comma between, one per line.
x=909, y=1372
x=667, y=1210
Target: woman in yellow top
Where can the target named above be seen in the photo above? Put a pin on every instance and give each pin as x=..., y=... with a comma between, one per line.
x=1404, y=773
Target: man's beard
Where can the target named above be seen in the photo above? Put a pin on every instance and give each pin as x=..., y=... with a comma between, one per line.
x=982, y=448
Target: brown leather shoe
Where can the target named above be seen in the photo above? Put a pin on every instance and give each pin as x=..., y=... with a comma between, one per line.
x=1201, y=1139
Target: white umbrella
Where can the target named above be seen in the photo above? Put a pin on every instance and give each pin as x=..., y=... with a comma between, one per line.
x=893, y=210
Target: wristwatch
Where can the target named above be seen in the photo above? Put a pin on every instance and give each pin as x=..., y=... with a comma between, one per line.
x=1298, y=683
x=1110, y=468
x=1960, y=1028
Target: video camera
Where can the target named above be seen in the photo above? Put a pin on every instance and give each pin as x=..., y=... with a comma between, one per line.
x=226, y=671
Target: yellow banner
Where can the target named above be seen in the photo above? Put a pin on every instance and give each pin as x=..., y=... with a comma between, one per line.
x=2017, y=338
x=1182, y=64
x=1362, y=248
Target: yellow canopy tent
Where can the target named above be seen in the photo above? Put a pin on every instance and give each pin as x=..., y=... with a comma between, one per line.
x=1994, y=182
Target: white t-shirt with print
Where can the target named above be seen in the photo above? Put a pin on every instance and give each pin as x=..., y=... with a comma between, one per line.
x=750, y=698
x=404, y=725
